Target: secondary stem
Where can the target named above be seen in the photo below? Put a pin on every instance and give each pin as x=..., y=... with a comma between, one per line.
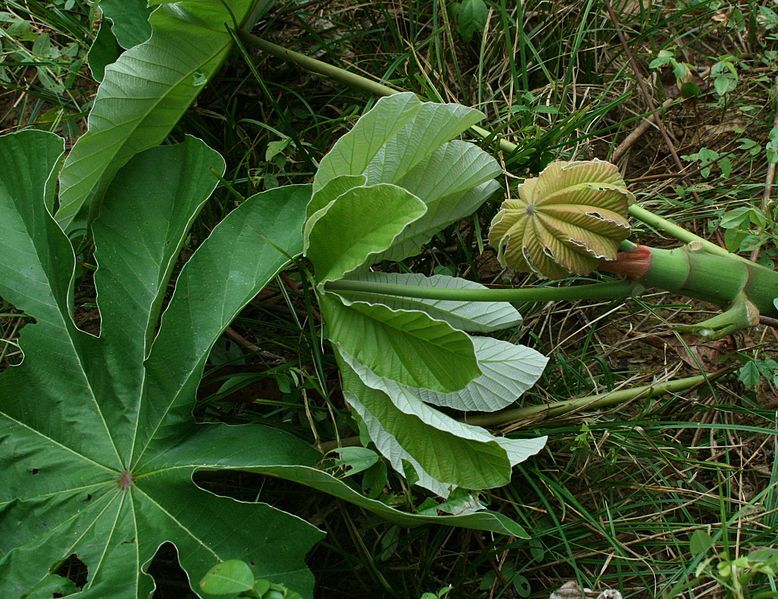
x=351, y=79
x=611, y=290
x=601, y=400
x=560, y=408
x=676, y=231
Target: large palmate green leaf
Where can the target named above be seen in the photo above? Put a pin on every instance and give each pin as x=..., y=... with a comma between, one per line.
x=145, y=92
x=86, y=422
x=567, y=220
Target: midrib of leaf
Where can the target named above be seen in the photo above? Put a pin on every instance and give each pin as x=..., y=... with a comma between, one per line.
x=137, y=545
x=180, y=525
x=61, y=492
x=172, y=402
x=96, y=569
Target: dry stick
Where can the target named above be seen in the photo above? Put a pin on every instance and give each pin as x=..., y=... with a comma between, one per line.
x=642, y=86
x=560, y=408
x=770, y=174
x=630, y=140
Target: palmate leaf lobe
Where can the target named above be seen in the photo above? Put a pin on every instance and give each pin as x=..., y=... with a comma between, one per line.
x=87, y=423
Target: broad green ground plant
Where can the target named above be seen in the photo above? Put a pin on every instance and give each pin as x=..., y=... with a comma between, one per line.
x=383, y=190
x=99, y=444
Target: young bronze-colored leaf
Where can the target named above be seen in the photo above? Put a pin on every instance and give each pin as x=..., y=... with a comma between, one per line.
x=568, y=219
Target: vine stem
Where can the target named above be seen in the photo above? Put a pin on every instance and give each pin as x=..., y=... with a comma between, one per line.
x=351, y=79
x=379, y=89
x=609, y=290
x=569, y=406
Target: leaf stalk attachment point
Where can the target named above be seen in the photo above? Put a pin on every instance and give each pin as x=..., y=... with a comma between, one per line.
x=743, y=288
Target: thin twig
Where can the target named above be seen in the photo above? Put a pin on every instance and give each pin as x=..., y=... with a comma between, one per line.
x=246, y=344
x=770, y=322
x=642, y=86
x=638, y=132
x=768, y=186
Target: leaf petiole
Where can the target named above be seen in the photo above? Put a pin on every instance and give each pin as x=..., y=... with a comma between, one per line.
x=608, y=290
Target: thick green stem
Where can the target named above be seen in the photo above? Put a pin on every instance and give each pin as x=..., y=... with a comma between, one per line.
x=612, y=290
x=745, y=289
x=560, y=408
x=317, y=66
x=351, y=79
x=692, y=270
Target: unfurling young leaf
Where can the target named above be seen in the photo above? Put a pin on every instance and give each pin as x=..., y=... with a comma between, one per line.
x=567, y=220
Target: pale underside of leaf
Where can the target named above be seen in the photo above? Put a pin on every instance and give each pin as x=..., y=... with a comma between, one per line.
x=480, y=317
x=393, y=138
x=432, y=126
x=405, y=418
x=508, y=371
x=388, y=446
x=453, y=182
x=358, y=224
x=334, y=188
x=354, y=150
x=405, y=345
x=453, y=461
